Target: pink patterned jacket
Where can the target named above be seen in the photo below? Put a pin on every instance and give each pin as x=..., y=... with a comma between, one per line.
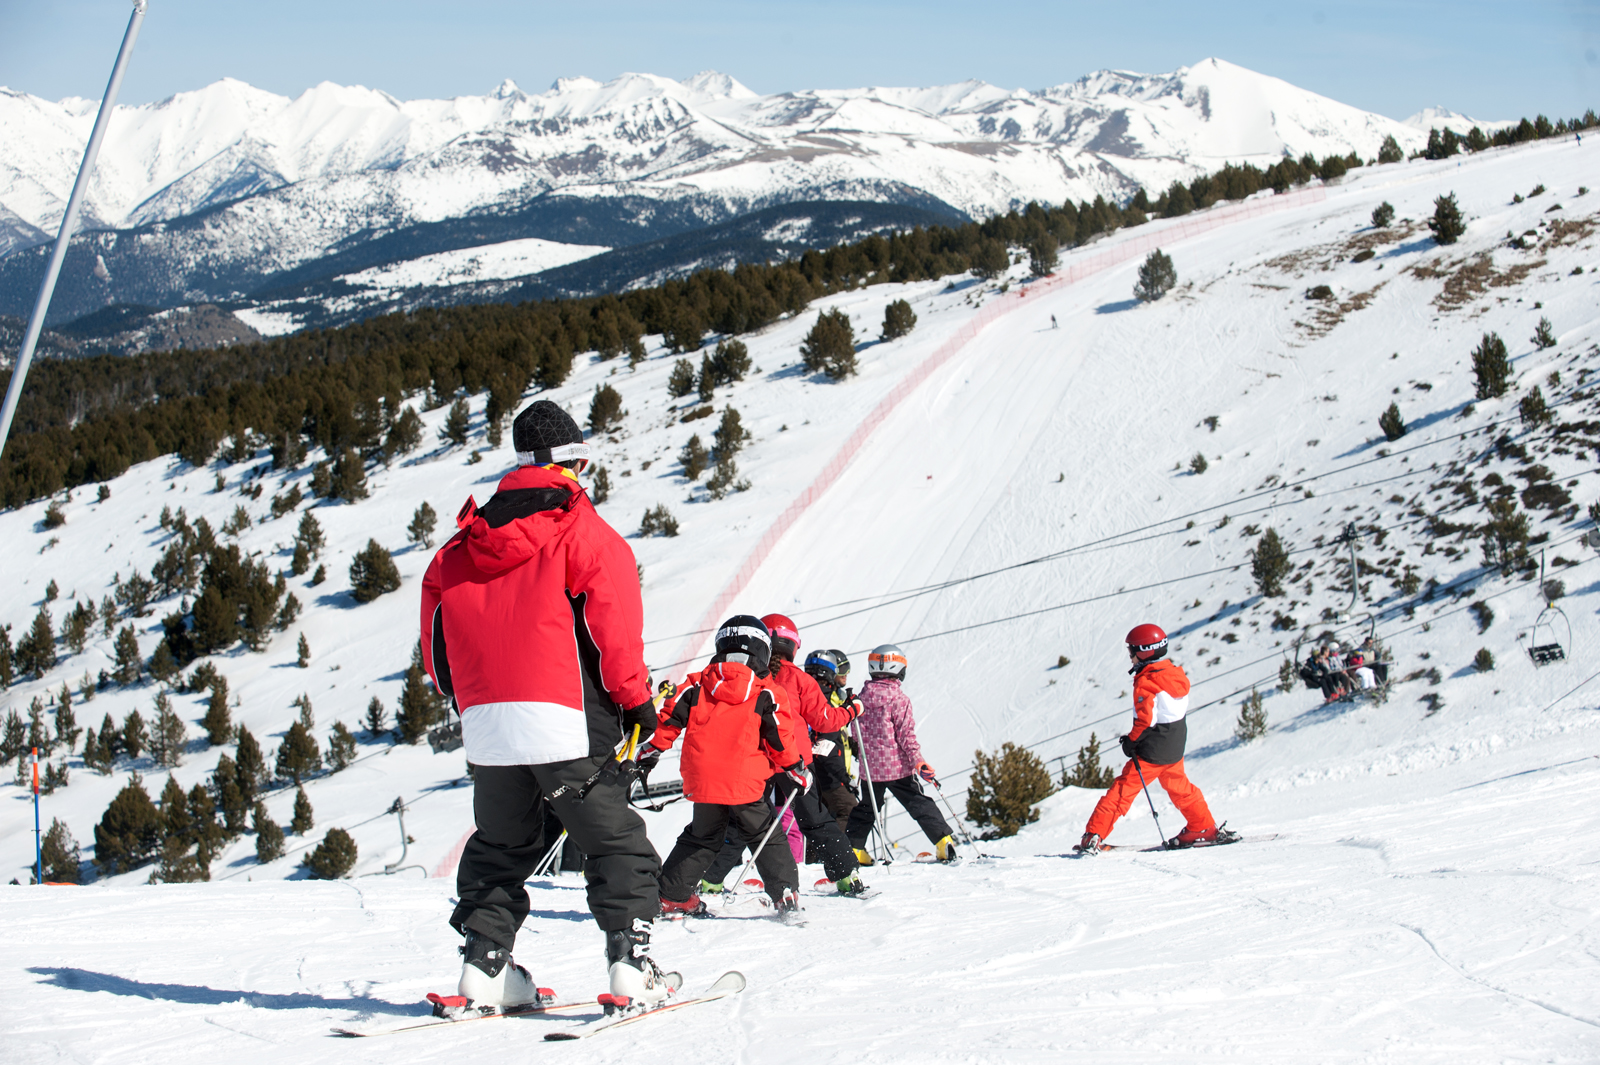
x=889, y=731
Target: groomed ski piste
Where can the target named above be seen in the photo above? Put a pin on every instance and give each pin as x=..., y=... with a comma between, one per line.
x=1430, y=893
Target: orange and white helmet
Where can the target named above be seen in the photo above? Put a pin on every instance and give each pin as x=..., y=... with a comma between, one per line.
x=886, y=661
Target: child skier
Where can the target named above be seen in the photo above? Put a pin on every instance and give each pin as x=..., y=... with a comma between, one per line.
x=729, y=716
x=1155, y=747
x=830, y=751
x=808, y=712
x=892, y=758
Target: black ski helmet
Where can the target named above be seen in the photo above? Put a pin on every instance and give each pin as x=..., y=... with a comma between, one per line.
x=886, y=661
x=825, y=665
x=744, y=639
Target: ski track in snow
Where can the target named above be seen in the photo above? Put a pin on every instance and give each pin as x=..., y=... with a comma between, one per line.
x=1431, y=893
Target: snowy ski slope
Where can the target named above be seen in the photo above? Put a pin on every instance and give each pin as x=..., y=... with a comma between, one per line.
x=1430, y=895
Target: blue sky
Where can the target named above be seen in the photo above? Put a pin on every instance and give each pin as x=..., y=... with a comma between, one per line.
x=1490, y=60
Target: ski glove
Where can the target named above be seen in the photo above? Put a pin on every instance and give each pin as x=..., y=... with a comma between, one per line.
x=1128, y=747
x=925, y=771
x=799, y=774
x=648, y=761
x=643, y=715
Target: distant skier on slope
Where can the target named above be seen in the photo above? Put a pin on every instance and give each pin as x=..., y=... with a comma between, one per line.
x=831, y=762
x=893, y=757
x=1154, y=746
x=730, y=715
x=532, y=622
x=809, y=711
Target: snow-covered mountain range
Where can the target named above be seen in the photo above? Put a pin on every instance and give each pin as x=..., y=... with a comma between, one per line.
x=1422, y=898
x=228, y=193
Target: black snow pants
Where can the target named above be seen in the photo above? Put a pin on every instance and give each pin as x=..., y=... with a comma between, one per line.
x=816, y=824
x=508, y=804
x=922, y=809
x=703, y=837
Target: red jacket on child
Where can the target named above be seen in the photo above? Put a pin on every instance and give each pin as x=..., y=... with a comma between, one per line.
x=733, y=740
x=814, y=712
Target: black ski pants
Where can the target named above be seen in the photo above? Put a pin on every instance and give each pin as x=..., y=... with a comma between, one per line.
x=703, y=837
x=508, y=804
x=922, y=809
x=841, y=802
x=816, y=824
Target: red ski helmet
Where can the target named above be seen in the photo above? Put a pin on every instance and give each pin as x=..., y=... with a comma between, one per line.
x=785, y=636
x=1147, y=642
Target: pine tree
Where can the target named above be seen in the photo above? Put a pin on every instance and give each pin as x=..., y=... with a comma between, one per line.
x=8, y=665
x=135, y=740
x=130, y=831
x=456, y=423
x=1043, y=255
x=14, y=738
x=1393, y=426
x=605, y=410
x=1533, y=409
x=1269, y=564
x=730, y=361
x=1252, y=721
x=269, y=837
x=1383, y=214
x=38, y=730
x=252, y=766
x=207, y=834
x=60, y=855
x=1447, y=223
x=1390, y=151
x=1491, y=367
x=302, y=821
x=1157, y=276
x=898, y=320
x=298, y=755
x=130, y=664
x=67, y=730
x=1505, y=536
x=420, y=531
x=1483, y=661
x=303, y=652
x=1543, y=335
x=830, y=346
x=334, y=857
x=376, y=715
x=310, y=536
x=405, y=435
x=602, y=485
x=420, y=705
x=92, y=756
x=169, y=734
x=1087, y=773
x=110, y=740
x=372, y=573
x=230, y=797
x=681, y=381
x=341, y=747
x=1005, y=788
x=989, y=259
x=730, y=435
x=218, y=721
x=706, y=383
x=163, y=664
x=694, y=458
x=36, y=652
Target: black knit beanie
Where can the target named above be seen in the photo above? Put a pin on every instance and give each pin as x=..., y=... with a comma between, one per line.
x=542, y=425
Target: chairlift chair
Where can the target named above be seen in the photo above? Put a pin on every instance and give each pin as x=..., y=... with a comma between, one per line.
x=1544, y=644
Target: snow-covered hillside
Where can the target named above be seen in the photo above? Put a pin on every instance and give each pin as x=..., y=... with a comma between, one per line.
x=229, y=192
x=1429, y=893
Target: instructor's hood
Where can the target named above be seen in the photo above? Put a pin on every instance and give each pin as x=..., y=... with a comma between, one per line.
x=532, y=510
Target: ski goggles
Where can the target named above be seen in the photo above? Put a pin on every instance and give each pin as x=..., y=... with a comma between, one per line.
x=575, y=453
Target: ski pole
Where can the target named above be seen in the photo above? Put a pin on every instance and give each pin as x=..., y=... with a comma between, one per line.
x=960, y=825
x=776, y=820
x=38, y=844
x=872, y=799
x=547, y=863
x=1149, y=800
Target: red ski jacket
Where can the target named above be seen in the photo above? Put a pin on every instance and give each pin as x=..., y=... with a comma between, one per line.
x=532, y=621
x=1160, y=701
x=732, y=737
x=814, y=712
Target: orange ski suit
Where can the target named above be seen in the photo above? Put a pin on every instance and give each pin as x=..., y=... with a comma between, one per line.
x=1160, y=701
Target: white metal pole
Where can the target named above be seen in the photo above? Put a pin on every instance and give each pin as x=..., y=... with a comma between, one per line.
x=69, y=221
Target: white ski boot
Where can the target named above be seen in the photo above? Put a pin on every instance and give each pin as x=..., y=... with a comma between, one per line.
x=636, y=980
x=490, y=978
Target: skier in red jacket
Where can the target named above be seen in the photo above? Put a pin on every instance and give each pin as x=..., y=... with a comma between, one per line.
x=810, y=713
x=532, y=623
x=730, y=715
x=1154, y=746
